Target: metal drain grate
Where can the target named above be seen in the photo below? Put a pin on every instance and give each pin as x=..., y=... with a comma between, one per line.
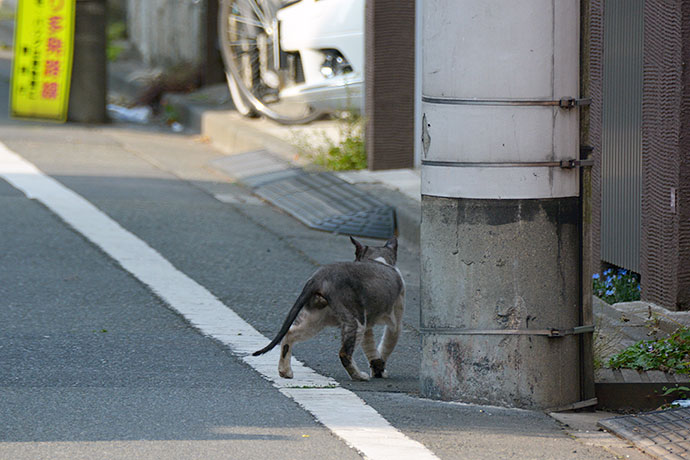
x=320, y=200
x=326, y=202
x=663, y=434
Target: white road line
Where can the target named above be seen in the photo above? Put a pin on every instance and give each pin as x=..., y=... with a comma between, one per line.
x=340, y=410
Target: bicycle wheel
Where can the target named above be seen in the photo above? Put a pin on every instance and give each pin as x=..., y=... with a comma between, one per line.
x=250, y=48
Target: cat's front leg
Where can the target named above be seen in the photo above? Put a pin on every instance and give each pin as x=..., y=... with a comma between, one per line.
x=392, y=331
x=351, y=368
x=376, y=364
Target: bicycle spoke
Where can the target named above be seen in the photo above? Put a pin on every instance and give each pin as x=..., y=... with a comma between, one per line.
x=242, y=34
x=249, y=21
x=259, y=14
x=243, y=42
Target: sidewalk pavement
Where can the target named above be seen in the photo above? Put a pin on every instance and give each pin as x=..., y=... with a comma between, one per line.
x=209, y=113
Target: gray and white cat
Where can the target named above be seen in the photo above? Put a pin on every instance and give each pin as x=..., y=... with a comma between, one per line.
x=354, y=296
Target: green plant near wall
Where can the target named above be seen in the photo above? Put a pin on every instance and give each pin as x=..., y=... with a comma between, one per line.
x=616, y=285
x=678, y=392
x=115, y=32
x=606, y=342
x=671, y=354
x=681, y=392
x=170, y=114
x=347, y=153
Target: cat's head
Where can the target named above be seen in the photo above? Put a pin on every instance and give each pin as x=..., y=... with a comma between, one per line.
x=388, y=253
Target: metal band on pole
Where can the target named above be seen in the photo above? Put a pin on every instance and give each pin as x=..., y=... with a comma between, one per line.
x=566, y=164
x=539, y=332
x=564, y=103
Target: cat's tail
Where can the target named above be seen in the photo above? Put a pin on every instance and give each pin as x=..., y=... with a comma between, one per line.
x=307, y=293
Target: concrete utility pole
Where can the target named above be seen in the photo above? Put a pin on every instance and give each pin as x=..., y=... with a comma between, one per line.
x=500, y=211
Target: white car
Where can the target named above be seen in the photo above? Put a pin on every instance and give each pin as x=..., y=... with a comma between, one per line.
x=292, y=61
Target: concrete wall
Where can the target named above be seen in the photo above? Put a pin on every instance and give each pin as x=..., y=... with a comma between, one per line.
x=167, y=32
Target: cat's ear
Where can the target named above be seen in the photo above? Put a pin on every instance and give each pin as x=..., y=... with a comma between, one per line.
x=392, y=244
x=359, y=248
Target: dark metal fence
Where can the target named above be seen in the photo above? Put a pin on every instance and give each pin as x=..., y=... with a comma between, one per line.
x=621, y=149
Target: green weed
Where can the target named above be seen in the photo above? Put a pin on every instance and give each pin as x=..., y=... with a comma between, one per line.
x=115, y=32
x=170, y=114
x=345, y=154
x=606, y=343
x=671, y=354
x=681, y=392
x=678, y=392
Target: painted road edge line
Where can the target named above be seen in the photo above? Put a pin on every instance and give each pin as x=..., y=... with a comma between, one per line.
x=340, y=410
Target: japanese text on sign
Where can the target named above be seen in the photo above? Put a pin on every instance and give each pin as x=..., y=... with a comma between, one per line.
x=42, y=65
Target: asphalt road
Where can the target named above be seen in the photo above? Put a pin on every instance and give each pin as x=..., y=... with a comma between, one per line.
x=93, y=364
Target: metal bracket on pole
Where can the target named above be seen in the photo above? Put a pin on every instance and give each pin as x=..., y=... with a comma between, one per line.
x=570, y=164
x=574, y=406
x=551, y=333
x=570, y=102
x=565, y=164
x=564, y=102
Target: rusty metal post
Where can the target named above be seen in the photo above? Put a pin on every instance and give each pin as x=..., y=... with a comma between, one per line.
x=88, y=88
x=212, y=66
x=587, y=316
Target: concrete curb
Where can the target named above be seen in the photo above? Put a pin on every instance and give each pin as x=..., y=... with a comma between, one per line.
x=192, y=108
x=607, y=375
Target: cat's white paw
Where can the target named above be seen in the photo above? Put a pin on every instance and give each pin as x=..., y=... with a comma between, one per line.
x=361, y=376
x=286, y=374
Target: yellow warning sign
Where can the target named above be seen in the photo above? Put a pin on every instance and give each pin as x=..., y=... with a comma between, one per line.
x=42, y=67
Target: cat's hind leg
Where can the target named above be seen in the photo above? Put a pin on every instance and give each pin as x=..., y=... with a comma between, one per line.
x=352, y=334
x=307, y=324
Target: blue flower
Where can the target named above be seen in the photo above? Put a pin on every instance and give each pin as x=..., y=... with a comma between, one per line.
x=608, y=271
x=623, y=272
x=610, y=292
x=609, y=279
x=595, y=276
